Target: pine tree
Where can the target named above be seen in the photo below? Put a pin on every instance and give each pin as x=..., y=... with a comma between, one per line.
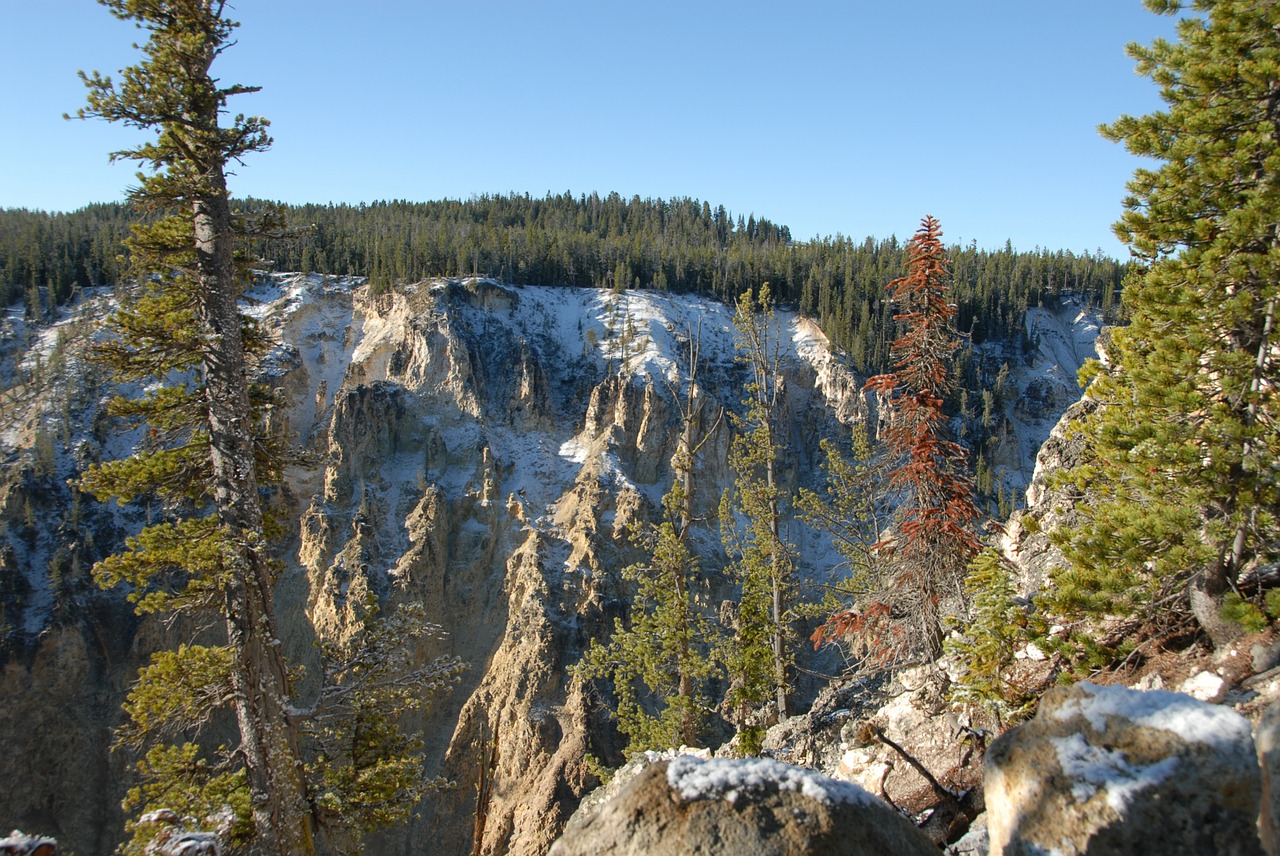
x=661, y=659
x=206, y=456
x=758, y=657
x=1179, y=487
x=988, y=642
x=186, y=320
x=934, y=540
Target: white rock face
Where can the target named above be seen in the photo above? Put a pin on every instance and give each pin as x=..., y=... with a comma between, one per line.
x=479, y=448
x=1063, y=334
x=1109, y=770
x=484, y=450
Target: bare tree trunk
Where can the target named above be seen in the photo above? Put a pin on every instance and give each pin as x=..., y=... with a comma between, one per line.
x=779, y=654
x=259, y=675
x=684, y=473
x=1250, y=419
x=1205, y=592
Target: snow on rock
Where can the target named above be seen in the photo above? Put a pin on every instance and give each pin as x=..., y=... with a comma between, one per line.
x=753, y=807
x=1205, y=686
x=17, y=843
x=1094, y=769
x=726, y=778
x=1176, y=713
x=1115, y=770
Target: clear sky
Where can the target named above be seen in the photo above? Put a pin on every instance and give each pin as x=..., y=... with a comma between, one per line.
x=856, y=117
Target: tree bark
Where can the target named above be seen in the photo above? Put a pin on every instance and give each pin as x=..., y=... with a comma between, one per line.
x=259, y=674
x=1205, y=592
x=775, y=530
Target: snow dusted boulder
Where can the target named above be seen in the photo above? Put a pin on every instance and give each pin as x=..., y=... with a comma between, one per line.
x=753, y=807
x=1109, y=770
x=18, y=844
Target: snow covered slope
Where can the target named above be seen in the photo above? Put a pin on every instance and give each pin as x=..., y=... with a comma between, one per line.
x=1063, y=335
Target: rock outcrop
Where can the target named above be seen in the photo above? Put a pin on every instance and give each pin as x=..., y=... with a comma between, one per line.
x=1109, y=770
x=754, y=807
x=857, y=732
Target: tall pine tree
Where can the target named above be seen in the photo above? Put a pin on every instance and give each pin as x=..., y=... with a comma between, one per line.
x=758, y=657
x=849, y=509
x=660, y=660
x=1179, y=487
x=188, y=320
x=205, y=457
x=661, y=663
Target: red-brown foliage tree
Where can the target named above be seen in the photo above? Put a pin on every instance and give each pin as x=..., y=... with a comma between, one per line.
x=934, y=541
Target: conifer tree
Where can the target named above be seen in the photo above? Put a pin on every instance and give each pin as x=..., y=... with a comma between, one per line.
x=187, y=320
x=1179, y=487
x=758, y=657
x=987, y=645
x=660, y=659
x=206, y=455
x=934, y=540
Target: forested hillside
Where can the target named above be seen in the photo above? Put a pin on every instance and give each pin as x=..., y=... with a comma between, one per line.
x=679, y=245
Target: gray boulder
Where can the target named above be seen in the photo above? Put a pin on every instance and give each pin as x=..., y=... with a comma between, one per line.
x=1268, y=743
x=753, y=807
x=1109, y=770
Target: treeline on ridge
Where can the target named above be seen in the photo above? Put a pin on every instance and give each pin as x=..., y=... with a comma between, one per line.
x=679, y=245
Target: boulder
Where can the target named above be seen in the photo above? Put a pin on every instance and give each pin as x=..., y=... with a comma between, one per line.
x=1268, y=743
x=1205, y=686
x=17, y=843
x=975, y=842
x=753, y=807
x=1109, y=770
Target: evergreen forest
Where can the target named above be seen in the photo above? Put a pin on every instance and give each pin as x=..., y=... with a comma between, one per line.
x=678, y=245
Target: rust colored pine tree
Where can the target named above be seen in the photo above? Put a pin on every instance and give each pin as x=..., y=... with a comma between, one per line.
x=934, y=537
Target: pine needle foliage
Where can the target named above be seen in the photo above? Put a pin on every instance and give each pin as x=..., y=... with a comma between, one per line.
x=364, y=765
x=849, y=509
x=205, y=452
x=204, y=794
x=986, y=645
x=1179, y=489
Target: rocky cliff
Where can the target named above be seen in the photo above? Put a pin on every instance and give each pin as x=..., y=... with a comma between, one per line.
x=477, y=448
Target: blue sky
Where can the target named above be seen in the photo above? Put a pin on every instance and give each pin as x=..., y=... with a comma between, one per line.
x=852, y=117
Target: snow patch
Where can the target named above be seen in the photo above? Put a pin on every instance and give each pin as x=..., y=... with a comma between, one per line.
x=574, y=450
x=1094, y=769
x=1180, y=714
x=721, y=778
